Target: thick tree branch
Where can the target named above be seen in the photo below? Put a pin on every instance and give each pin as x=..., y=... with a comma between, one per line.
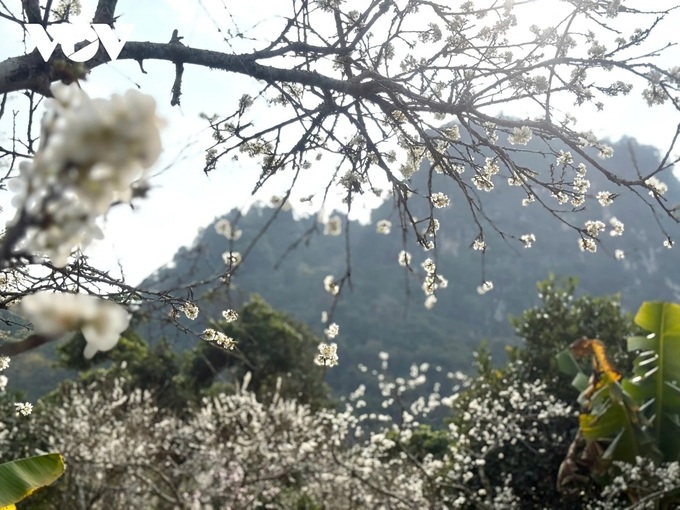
x=31, y=342
x=32, y=10
x=30, y=72
x=105, y=12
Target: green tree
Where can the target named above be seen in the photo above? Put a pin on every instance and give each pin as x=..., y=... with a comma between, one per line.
x=562, y=317
x=271, y=346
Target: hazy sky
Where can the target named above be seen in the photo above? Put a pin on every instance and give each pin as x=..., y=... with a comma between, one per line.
x=183, y=199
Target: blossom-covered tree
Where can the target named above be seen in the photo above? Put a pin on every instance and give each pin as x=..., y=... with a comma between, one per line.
x=376, y=91
x=371, y=89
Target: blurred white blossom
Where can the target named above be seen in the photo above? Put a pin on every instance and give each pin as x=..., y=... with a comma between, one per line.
x=93, y=152
x=54, y=313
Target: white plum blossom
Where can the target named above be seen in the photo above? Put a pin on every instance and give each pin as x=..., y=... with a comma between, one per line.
x=452, y=132
x=479, y=244
x=333, y=226
x=383, y=227
x=231, y=258
x=605, y=152
x=605, y=198
x=520, y=136
x=516, y=180
x=587, y=245
x=224, y=228
x=561, y=197
x=430, y=301
x=564, y=158
x=483, y=178
x=484, y=287
x=440, y=200
x=617, y=227
x=332, y=330
x=23, y=408
x=54, y=313
x=328, y=355
x=594, y=227
x=490, y=130
x=429, y=266
x=331, y=286
x=230, y=315
x=429, y=285
x=528, y=240
x=404, y=258
x=668, y=243
x=619, y=254
x=190, y=310
x=432, y=227
x=218, y=338
x=93, y=152
x=656, y=186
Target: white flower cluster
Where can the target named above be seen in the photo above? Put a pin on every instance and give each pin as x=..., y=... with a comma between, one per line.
x=587, y=245
x=332, y=330
x=333, y=226
x=4, y=365
x=490, y=130
x=331, y=286
x=656, y=186
x=528, y=240
x=580, y=185
x=219, y=338
x=564, y=158
x=440, y=200
x=91, y=154
x=643, y=478
x=224, y=228
x=485, y=287
x=430, y=301
x=605, y=198
x=235, y=448
x=520, y=136
x=404, y=258
x=53, y=313
x=617, y=227
x=479, y=244
x=431, y=282
x=383, y=227
x=231, y=258
x=230, y=315
x=429, y=266
x=23, y=408
x=483, y=178
x=328, y=355
x=190, y=310
x=594, y=227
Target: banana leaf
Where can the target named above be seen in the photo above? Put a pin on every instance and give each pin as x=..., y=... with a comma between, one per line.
x=21, y=478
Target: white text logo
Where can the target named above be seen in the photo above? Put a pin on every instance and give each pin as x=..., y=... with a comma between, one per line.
x=69, y=34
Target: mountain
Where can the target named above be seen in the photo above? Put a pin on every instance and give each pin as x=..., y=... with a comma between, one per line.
x=383, y=309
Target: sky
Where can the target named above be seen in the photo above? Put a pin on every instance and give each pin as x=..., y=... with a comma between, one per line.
x=183, y=199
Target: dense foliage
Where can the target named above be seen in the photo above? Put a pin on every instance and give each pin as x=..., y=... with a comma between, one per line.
x=398, y=104
x=492, y=440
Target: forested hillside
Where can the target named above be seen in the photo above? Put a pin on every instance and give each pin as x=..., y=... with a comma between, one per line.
x=383, y=311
